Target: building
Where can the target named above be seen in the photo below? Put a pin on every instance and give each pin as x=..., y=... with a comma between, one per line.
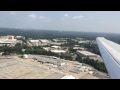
x=19, y=41
x=31, y=42
x=56, y=43
x=25, y=56
x=55, y=40
x=35, y=42
x=58, y=51
x=38, y=42
x=78, y=48
x=90, y=55
x=86, y=41
x=68, y=77
x=8, y=40
x=99, y=58
x=79, y=38
x=46, y=48
x=20, y=37
x=60, y=40
x=51, y=61
x=56, y=47
x=76, y=45
x=87, y=53
x=44, y=40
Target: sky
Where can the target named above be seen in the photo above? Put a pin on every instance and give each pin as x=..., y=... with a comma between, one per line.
x=87, y=21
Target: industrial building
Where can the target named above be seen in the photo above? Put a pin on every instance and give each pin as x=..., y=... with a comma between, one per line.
x=58, y=51
x=87, y=41
x=7, y=40
x=57, y=62
x=56, y=43
x=78, y=48
x=90, y=55
x=19, y=37
x=38, y=42
x=56, y=47
x=31, y=42
x=87, y=53
x=44, y=40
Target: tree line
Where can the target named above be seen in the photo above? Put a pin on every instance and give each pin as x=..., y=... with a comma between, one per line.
x=97, y=65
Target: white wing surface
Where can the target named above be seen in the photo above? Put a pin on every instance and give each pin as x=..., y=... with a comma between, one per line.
x=110, y=52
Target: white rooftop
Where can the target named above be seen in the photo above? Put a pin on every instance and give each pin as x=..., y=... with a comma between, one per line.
x=34, y=40
x=55, y=46
x=68, y=77
x=58, y=51
x=86, y=53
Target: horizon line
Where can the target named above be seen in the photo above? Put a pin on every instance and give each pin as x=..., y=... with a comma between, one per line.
x=59, y=30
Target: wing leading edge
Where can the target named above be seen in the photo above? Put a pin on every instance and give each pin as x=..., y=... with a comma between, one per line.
x=110, y=52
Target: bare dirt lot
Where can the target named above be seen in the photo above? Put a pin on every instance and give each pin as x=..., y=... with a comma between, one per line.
x=18, y=68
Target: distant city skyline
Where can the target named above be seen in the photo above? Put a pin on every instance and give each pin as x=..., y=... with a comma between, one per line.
x=85, y=21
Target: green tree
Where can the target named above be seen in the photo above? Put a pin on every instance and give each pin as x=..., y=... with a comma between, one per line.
x=97, y=65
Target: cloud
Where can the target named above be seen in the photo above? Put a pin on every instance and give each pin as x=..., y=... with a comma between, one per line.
x=12, y=13
x=78, y=17
x=33, y=16
x=42, y=17
x=66, y=15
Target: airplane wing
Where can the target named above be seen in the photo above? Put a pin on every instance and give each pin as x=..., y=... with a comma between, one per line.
x=110, y=52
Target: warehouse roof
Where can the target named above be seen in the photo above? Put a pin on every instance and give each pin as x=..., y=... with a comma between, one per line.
x=87, y=53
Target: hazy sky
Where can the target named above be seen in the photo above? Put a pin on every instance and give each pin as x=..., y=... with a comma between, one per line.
x=88, y=21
